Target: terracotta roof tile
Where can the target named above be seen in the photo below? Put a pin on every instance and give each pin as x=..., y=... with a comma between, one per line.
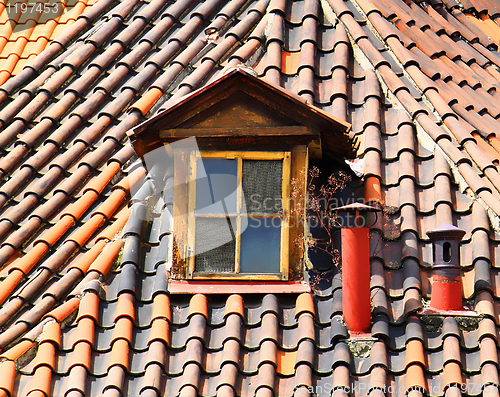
x=234, y=305
x=159, y=331
x=63, y=311
x=7, y=376
x=304, y=304
x=85, y=332
x=18, y=350
x=119, y=354
x=105, y=261
x=198, y=305
x=125, y=307
x=52, y=333
x=81, y=356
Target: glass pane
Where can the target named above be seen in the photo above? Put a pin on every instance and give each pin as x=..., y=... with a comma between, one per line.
x=216, y=182
x=262, y=181
x=261, y=246
x=215, y=246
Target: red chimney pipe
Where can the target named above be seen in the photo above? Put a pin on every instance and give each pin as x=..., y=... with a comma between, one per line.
x=356, y=305
x=446, y=293
x=356, y=278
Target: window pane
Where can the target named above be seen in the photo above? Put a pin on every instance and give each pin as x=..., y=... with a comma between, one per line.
x=261, y=246
x=216, y=182
x=262, y=181
x=215, y=245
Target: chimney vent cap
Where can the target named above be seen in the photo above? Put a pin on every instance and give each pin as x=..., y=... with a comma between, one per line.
x=446, y=232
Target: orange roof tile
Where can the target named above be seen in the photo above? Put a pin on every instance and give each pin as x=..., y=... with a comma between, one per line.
x=105, y=260
x=373, y=190
x=87, y=230
x=55, y=233
x=28, y=261
x=17, y=350
x=81, y=355
x=198, y=305
x=7, y=376
x=85, y=260
x=112, y=203
x=125, y=307
x=77, y=209
x=9, y=64
x=415, y=377
x=45, y=356
x=304, y=304
x=234, y=305
x=112, y=230
x=159, y=331
x=119, y=354
x=52, y=333
x=61, y=312
x=103, y=179
x=21, y=63
x=286, y=362
x=146, y=102
x=41, y=380
x=452, y=375
x=10, y=283
x=132, y=180
x=89, y=307
x=161, y=307
x=290, y=62
x=415, y=352
x=122, y=330
x=43, y=31
x=86, y=331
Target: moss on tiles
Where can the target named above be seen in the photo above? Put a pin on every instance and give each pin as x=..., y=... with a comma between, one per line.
x=361, y=347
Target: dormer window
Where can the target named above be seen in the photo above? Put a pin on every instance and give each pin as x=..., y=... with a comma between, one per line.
x=238, y=214
x=239, y=196
x=234, y=214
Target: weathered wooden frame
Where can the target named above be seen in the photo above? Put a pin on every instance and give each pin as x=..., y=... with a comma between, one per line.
x=294, y=163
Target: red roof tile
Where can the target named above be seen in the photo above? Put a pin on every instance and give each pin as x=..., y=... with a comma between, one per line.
x=18, y=350
x=7, y=377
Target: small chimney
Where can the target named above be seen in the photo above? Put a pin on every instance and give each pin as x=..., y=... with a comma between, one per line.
x=356, y=304
x=446, y=291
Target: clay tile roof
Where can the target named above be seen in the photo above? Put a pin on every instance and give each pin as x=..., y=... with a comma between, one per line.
x=87, y=303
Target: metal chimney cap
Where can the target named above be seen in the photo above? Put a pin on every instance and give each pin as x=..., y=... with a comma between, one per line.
x=446, y=231
x=357, y=207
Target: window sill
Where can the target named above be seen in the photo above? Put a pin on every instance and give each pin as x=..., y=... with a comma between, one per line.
x=237, y=287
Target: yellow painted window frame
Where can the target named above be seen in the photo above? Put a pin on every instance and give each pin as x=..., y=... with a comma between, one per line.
x=285, y=216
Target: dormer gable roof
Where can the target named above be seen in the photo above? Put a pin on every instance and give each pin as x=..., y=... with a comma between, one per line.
x=239, y=105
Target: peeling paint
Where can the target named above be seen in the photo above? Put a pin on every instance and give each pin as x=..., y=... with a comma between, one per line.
x=270, y=19
x=329, y=13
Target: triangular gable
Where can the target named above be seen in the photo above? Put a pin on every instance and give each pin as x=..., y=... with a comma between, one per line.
x=240, y=105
